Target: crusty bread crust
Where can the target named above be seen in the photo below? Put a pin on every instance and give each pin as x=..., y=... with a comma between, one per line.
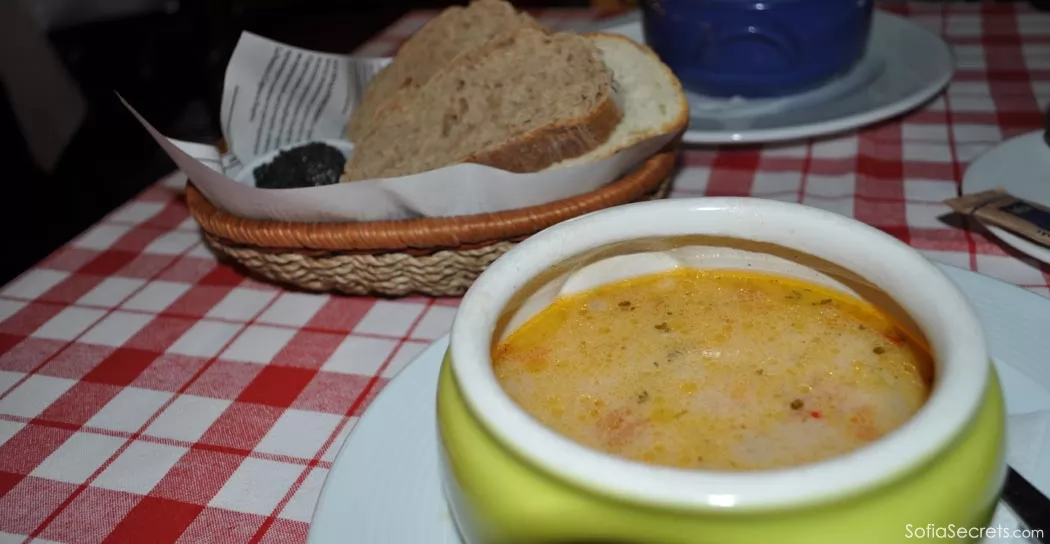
x=384, y=82
x=401, y=98
x=395, y=78
x=536, y=149
x=680, y=122
x=540, y=148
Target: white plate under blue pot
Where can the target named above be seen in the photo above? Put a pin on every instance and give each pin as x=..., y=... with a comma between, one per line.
x=889, y=80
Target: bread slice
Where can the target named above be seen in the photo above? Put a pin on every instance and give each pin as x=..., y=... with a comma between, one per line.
x=521, y=103
x=455, y=31
x=650, y=95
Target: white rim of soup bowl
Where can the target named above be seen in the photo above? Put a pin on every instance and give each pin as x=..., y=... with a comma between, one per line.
x=924, y=292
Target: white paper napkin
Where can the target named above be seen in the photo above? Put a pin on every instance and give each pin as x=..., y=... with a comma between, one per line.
x=1028, y=453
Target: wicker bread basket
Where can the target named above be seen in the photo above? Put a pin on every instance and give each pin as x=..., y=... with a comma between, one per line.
x=437, y=256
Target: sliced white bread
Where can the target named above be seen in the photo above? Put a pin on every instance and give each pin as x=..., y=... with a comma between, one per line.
x=650, y=96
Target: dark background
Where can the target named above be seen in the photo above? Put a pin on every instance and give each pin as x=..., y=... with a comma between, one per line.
x=169, y=63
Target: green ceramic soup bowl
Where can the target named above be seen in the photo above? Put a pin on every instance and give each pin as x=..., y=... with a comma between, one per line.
x=510, y=480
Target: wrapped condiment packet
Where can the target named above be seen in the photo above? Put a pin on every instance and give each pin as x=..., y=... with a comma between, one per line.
x=999, y=208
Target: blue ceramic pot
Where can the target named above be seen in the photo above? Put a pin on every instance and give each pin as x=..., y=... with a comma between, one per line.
x=757, y=48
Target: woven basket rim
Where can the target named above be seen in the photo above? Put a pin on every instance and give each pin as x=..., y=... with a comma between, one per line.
x=437, y=272
x=431, y=232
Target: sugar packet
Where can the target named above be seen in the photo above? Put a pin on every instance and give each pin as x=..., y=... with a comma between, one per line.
x=999, y=208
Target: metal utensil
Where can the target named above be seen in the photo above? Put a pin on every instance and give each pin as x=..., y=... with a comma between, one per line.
x=1029, y=504
x=1046, y=123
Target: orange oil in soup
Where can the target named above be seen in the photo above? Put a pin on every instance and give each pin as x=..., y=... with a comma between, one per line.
x=715, y=369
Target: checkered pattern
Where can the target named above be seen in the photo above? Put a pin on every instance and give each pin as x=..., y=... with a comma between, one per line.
x=151, y=394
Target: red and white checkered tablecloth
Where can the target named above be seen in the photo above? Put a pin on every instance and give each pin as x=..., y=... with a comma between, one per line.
x=151, y=394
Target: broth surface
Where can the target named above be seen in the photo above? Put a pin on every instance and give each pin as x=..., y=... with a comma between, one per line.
x=715, y=369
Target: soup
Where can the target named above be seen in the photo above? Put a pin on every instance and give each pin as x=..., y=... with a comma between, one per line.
x=723, y=370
